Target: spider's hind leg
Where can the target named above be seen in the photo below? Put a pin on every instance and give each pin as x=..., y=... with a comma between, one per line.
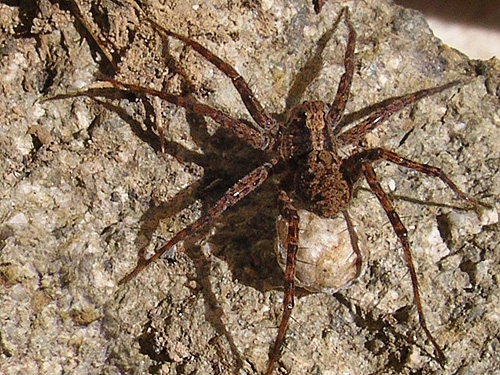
x=290, y=213
x=402, y=234
x=364, y=160
x=238, y=191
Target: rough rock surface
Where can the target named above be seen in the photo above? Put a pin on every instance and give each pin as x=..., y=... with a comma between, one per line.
x=84, y=185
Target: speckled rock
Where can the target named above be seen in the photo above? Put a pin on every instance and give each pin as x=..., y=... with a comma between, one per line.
x=85, y=185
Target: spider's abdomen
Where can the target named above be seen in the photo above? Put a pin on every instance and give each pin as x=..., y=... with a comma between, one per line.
x=320, y=182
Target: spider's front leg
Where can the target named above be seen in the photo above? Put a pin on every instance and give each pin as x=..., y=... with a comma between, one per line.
x=254, y=138
x=289, y=212
x=344, y=88
x=265, y=123
x=260, y=135
x=390, y=106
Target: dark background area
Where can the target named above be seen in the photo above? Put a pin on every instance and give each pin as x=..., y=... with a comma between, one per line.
x=477, y=13
x=472, y=27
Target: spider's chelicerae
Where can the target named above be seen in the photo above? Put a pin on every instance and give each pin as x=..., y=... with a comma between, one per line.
x=318, y=181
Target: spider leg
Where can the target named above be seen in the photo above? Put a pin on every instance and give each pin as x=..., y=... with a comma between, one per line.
x=290, y=213
x=266, y=123
x=376, y=154
x=392, y=105
x=77, y=12
x=402, y=234
x=337, y=108
x=255, y=138
x=232, y=196
x=354, y=243
x=366, y=159
x=318, y=4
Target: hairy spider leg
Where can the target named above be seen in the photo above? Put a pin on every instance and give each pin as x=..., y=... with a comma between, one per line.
x=364, y=161
x=289, y=212
x=77, y=12
x=233, y=195
x=378, y=154
x=318, y=5
x=337, y=108
x=262, y=136
x=391, y=106
x=354, y=242
x=253, y=137
x=265, y=123
x=402, y=234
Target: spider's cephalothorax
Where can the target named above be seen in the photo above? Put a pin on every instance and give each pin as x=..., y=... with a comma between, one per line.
x=307, y=144
x=320, y=182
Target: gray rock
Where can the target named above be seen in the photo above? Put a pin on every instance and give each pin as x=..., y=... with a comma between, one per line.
x=84, y=186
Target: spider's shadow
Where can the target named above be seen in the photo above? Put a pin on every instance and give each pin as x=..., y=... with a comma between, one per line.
x=245, y=233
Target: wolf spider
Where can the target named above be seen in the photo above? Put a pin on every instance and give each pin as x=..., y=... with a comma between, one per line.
x=319, y=179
